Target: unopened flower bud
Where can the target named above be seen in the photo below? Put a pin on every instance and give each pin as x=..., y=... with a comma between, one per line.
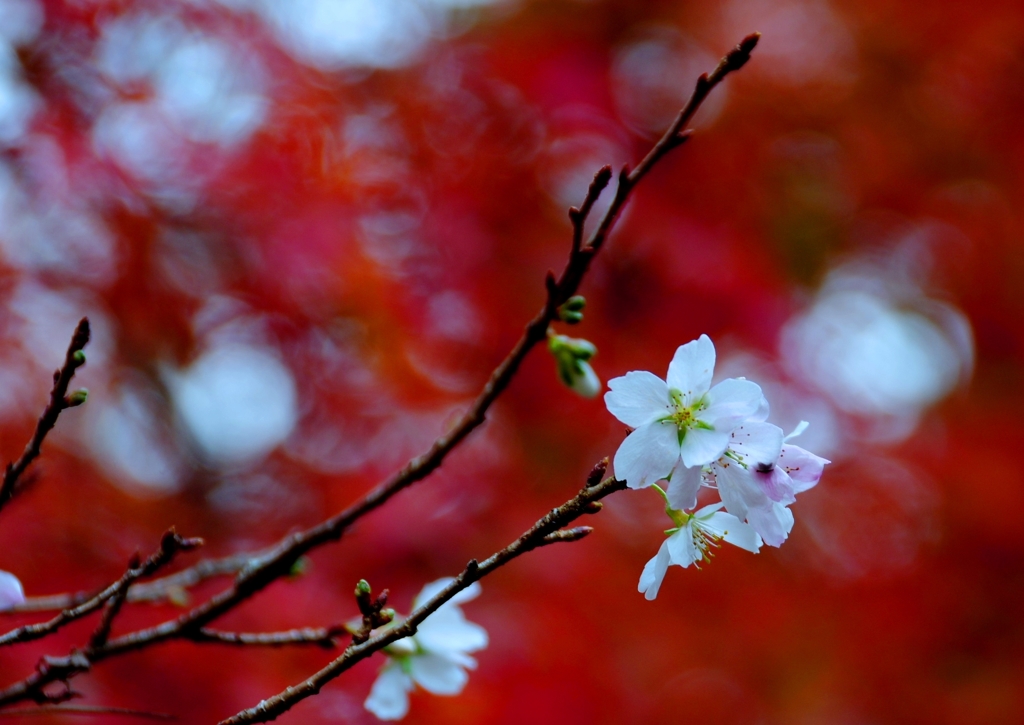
x=300, y=567
x=77, y=398
x=79, y=357
x=575, y=303
x=571, y=355
x=572, y=311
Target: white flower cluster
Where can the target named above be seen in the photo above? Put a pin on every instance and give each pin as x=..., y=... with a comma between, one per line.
x=435, y=658
x=11, y=593
x=697, y=436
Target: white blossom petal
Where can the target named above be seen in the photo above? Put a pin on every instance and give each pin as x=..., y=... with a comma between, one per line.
x=701, y=446
x=800, y=428
x=731, y=402
x=708, y=510
x=681, y=549
x=654, y=572
x=684, y=486
x=734, y=531
x=773, y=522
x=437, y=674
x=803, y=467
x=447, y=630
x=757, y=443
x=647, y=454
x=691, y=369
x=761, y=414
x=434, y=588
x=11, y=592
x=389, y=696
x=737, y=488
x=636, y=398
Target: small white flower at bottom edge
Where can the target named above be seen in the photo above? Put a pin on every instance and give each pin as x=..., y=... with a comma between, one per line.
x=11, y=592
x=689, y=544
x=389, y=696
x=435, y=658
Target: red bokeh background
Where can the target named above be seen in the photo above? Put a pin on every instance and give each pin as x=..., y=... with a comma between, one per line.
x=305, y=232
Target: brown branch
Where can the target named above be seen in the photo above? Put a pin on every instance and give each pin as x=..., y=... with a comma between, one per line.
x=169, y=588
x=326, y=637
x=59, y=400
x=280, y=560
x=87, y=710
x=541, y=533
x=170, y=545
x=267, y=567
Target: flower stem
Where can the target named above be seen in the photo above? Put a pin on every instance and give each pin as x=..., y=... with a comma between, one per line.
x=664, y=495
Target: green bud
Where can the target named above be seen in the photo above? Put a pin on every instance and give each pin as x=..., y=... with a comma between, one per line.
x=571, y=357
x=363, y=588
x=572, y=311
x=575, y=303
x=300, y=567
x=77, y=398
x=79, y=357
x=386, y=615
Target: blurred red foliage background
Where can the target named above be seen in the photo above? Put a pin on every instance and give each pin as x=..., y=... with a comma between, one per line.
x=305, y=231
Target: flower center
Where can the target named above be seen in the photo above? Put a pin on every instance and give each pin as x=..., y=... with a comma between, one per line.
x=684, y=416
x=703, y=540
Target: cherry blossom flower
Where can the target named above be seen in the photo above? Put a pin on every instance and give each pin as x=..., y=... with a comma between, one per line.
x=692, y=540
x=758, y=476
x=796, y=471
x=11, y=592
x=435, y=658
x=680, y=423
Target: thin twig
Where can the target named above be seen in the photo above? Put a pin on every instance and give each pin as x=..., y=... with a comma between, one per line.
x=87, y=710
x=170, y=545
x=541, y=533
x=326, y=637
x=169, y=588
x=59, y=400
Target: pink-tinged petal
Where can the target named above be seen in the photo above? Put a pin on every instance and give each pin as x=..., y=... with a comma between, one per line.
x=773, y=523
x=758, y=444
x=803, y=467
x=737, y=488
x=776, y=484
x=691, y=368
x=389, y=696
x=701, y=446
x=647, y=455
x=637, y=398
x=730, y=528
x=11, y=593
x=437, y=674
x=654, y=573
x=731, y=402
x=683, y=487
